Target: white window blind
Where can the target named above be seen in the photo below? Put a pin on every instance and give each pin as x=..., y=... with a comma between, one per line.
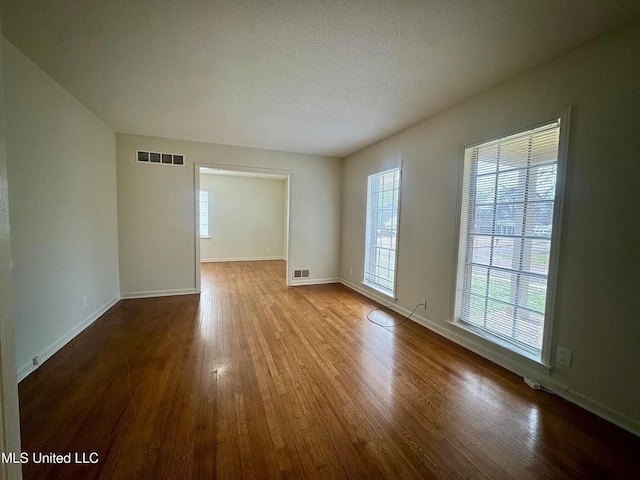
x=204, y=213
x=505, y=238
x=382, y=230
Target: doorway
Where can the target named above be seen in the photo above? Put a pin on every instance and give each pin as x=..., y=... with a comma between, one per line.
x=241, y=214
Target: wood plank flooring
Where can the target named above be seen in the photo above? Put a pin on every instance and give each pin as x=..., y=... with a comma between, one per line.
x=252, y=379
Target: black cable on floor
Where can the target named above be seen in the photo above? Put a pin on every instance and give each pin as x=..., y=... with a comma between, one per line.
x=397, y=324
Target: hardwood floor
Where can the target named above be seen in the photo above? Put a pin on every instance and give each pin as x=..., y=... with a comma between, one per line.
x=256, y=380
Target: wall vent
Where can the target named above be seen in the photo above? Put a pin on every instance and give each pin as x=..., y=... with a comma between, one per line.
x=143, y=156
x=297, y=273
x=305, y=273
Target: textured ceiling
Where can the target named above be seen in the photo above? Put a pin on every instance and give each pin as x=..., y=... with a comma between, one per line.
x=321, y=77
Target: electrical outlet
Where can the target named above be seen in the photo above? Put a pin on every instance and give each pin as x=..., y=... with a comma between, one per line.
x=268, y=250
x=423, y=303
x=351, y=272
x=563, y=356
x=85, y=301
x=36, y=361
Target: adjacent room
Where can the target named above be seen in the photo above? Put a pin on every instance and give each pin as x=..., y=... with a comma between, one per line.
x=242, y=217
x=346, y=239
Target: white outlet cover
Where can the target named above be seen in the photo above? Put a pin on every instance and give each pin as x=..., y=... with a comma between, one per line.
x=563, y=356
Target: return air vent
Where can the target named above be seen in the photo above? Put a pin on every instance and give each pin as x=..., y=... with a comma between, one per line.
x=300, y=273
x=143, y=156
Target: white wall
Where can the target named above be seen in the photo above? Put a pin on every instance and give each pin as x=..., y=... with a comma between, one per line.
x=157, y=221
x=246, y=218
x=62, y=178
x=597, y=307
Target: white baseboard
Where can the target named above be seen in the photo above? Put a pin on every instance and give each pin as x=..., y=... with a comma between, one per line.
x=239, y=259
x=313, y=281
x=159, y=293
x=48, y=352
x=512, y=362
x=597, y=408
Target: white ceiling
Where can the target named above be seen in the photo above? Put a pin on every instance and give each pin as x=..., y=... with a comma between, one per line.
x=321, y=77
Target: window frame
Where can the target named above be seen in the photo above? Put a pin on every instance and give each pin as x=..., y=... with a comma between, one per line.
x=389, y=293
x=208, y=191
x=544, y=356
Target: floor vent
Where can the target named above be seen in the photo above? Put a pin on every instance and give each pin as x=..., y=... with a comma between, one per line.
x=143, y=156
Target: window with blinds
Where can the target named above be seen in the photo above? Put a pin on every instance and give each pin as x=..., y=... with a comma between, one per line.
x=509, y=195
x=204, y=214
x=383, y=195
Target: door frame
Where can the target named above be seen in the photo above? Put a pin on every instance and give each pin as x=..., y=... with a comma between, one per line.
x=9, y=412
x=242, y=169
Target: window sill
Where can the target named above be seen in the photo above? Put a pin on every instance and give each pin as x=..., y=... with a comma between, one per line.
x=205, y=237
x=379, y=290
x=506, y=347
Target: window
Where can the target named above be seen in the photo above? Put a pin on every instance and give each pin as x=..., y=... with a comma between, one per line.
x=382, y=231
x=508, y=203
x=204, y=214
